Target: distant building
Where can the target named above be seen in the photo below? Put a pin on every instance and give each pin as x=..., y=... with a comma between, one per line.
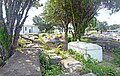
x=26, y=29
x=112, y=31
x=118, y=29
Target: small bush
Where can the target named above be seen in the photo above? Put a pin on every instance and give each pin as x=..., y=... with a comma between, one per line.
x=47, y=68
x=58, y=49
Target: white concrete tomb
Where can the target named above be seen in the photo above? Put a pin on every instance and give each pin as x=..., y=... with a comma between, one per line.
x=94, y=50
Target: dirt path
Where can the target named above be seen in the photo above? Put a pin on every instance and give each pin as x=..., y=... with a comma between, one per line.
x=22, y=63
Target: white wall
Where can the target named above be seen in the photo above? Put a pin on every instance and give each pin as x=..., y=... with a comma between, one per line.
x=29, y=29
x=36, y=29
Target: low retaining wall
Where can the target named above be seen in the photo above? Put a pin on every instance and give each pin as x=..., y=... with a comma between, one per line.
x=22, y=63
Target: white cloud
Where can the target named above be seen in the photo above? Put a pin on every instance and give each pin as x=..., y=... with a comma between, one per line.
x=111, y=19
x=103, y=16
x=33, y=11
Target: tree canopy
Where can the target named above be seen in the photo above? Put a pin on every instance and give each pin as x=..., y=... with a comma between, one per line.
x=13, y=14
x=77, y=12
x=113, y=27
x=42, y=25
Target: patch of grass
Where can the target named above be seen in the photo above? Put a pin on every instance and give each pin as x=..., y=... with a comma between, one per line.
x=116, y=55
x=101, y=70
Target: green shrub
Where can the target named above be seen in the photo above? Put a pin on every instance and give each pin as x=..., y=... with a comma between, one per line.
x=116, y=60
x=44, y=59
x=79, y=57
x=70, y=51
x=4, y=39
x=47, y=68
x=101, y=70
x=92, y=65
x=62, y=53
x=85, y=70
x=70, y=39
x=58, y=49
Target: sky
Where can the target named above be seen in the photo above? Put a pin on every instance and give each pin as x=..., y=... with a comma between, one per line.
x=111, y=19
x=102, y=16
x=32, y=12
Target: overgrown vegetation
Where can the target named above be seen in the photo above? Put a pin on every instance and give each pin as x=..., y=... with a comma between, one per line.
x=3, y=38
x=40, y=37
x=47, y=68
x=116, y=55
x=46, y=47
x=60, y=51
x=71, y=52
x=70, y=39
x=21, y=43
x=91, y=65
x=12, y=18
x=4, y=42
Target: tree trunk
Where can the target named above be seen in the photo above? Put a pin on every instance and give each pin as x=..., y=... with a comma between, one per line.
x=16, y=36
x=75, y=31
x=66, y=32
x=1, y=13
x=2, y=50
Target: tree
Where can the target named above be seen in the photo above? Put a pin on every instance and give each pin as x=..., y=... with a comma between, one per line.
x=42, y=25
x=78, y=12
x=113, y=27
x=16, y=12
x=113, y=5
x=92, y=24
x=83, y=11
x=102, y=26
x=57, y=12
